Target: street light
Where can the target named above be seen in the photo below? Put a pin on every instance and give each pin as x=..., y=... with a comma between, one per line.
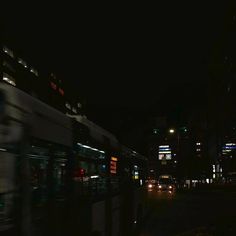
x=171, y=131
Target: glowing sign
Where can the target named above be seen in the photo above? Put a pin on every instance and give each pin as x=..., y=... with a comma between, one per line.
x=113, y=165
x=164, y=152
x=164, y=177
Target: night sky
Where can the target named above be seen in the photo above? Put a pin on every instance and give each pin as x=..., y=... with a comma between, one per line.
x=124, y=61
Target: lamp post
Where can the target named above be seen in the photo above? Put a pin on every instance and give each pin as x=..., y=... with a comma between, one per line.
x=172, y=131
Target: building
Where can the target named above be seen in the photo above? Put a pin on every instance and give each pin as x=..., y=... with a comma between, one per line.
x=222, y=98
x=46, y=86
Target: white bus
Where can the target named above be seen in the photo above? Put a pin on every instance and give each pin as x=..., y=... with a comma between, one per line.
x=63, y=175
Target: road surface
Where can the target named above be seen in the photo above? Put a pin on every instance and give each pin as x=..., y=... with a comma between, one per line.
x=199, y=212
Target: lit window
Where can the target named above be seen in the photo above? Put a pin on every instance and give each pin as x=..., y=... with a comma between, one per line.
x=198, y=150
x=74, y=110
x=155, y=131
x=198, y=144
x=8, y=79
x=68, y=106
x=22, y=62
x=32, y=70
x=8, y=51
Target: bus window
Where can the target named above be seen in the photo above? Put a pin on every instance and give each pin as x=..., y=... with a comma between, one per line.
x=2, y=105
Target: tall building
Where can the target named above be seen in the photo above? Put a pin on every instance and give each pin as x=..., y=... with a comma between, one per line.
x=222, y=97
x=46, y=86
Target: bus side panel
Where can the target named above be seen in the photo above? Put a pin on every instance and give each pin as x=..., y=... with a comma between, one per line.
x=99, y=217
x=45, y=129
x=7, y=189
x=116, y=209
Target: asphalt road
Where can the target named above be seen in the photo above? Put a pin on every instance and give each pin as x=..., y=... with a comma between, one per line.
x=199, y=213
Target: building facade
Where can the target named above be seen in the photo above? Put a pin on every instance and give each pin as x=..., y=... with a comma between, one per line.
x=45, y=86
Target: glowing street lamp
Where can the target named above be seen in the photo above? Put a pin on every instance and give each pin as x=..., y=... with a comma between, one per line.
x=171, y=131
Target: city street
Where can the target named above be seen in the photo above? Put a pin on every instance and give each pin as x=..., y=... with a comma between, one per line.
x=208, y=212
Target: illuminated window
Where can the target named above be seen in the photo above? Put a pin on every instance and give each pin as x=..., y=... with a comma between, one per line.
x=8, y=79
x=35, y=72
x=22, y=62
x=68, y=106
x=74, y=110
x=155, y=131
x=8, y=51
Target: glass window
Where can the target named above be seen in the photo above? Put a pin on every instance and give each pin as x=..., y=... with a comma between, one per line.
x=90, y=152
x=8, y=51
x=68, y=106
x=35, y=72
x=38, y=168
x=8, y=66
x=74, y=110
x=22, y=62
x=8, y=79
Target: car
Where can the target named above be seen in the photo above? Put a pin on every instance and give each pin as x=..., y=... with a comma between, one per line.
x=151, y=184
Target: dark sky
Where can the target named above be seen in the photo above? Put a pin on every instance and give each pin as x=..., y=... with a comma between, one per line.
x=123, y=60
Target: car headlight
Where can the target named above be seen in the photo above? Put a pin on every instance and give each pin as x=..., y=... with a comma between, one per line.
x=150, y=186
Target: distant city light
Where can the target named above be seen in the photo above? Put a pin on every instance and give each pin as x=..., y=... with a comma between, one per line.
x=8, y=80
x=165, y=152
x=230, y=144
x=88, y=147
x=155, y=131
x=94, y=177
x=171, y=131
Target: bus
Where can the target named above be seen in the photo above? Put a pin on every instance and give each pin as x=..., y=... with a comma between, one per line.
x=64, y=175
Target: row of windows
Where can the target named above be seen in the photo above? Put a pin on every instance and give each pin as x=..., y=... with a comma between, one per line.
x=8, y=79
x=69, y=107
x=54, y=83
x=10, y=53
